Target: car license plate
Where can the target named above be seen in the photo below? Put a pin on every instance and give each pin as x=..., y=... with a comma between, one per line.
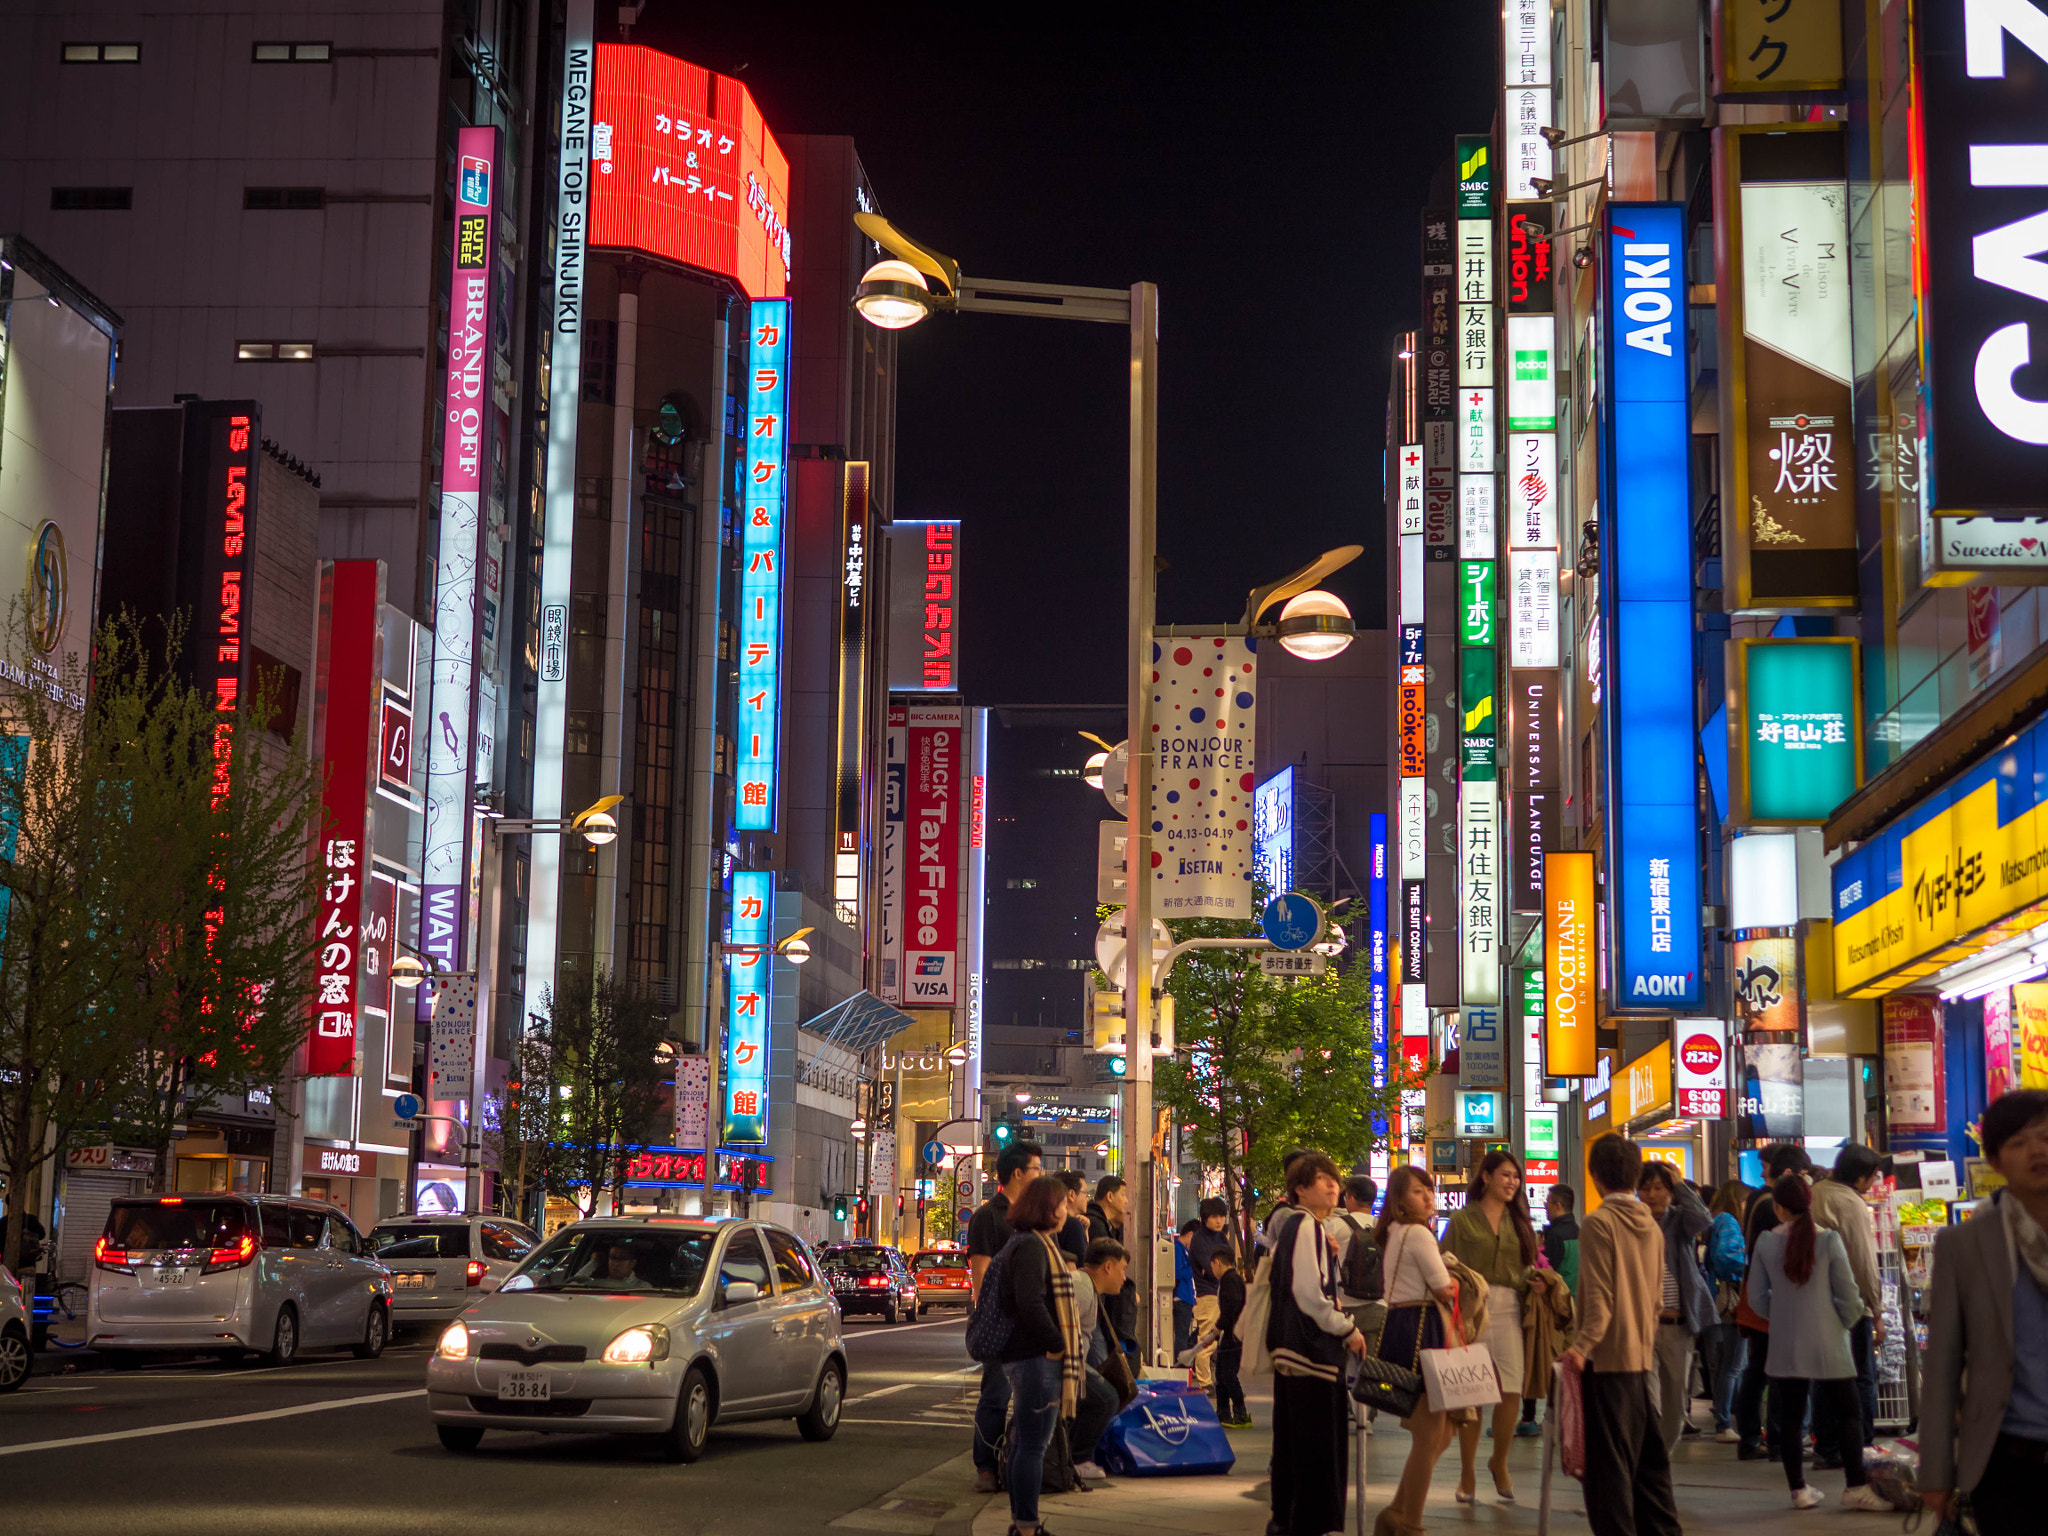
x=523, y=1387
x=413, y=1282
x=178, y=1276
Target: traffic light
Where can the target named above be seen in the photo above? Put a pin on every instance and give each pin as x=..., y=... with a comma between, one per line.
x=1118, y=1066
x=1001, y=1134
x=839, y=1207
x=861, y=1208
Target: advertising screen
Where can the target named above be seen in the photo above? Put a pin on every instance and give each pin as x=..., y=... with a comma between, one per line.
x=1273, y=831
x=682, y=166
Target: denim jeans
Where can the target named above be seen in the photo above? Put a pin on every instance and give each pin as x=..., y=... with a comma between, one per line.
x=1724, y=1359
x=989, y=1413
x=1035, y=1384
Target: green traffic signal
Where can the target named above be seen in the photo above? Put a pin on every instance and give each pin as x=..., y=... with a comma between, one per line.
x=839, y=1207
x=1001, y=1132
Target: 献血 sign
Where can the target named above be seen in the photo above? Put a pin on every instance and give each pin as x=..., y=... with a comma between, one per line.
x=1798, y=726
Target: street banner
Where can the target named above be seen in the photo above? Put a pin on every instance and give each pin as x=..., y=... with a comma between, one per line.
x=1204, y=706
x=451, y=1040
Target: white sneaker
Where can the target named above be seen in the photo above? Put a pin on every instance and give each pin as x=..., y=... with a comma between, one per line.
x=1866, y=1497
x=1728, y=1437
x=1091, y=1471
x=1807, y=1498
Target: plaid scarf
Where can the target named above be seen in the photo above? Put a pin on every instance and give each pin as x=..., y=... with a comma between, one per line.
x=1074, y=1361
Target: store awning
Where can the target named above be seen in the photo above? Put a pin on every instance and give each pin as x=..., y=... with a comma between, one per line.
x=860, y=1022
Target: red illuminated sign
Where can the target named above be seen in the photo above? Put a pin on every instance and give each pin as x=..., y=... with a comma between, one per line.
x=1701, y=1054
x=348, y=679
x=939, y=605
x=653, y=1165
x=394, y=747
x=682, y=166
x=234, y=477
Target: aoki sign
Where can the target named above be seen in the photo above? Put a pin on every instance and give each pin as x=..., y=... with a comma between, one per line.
x=1980, y=69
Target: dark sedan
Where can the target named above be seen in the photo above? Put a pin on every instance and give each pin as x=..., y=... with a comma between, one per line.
x=866, y=1277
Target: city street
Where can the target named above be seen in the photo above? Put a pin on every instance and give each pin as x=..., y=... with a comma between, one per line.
x=338, y=1444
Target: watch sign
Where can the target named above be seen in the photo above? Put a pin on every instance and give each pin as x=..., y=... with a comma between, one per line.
x=1700, y=1068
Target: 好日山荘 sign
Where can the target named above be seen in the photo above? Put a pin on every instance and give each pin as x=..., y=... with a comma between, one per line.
x=1798, y=728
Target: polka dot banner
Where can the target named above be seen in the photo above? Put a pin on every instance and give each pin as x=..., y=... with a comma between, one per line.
x=1204, y=694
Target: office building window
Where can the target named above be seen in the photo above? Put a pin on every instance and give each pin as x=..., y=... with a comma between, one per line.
x=284, y=199
x=103, y=53
x=273, y=351
x=293, y=53
x=91, y=199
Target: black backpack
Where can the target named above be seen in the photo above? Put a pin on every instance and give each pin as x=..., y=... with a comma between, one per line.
x=1361, y=1276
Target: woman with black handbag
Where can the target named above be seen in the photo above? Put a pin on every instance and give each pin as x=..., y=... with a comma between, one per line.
x=1416, y=1281
x=1309, y=1336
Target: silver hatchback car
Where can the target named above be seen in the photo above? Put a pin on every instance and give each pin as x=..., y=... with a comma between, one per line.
x=650, y=1325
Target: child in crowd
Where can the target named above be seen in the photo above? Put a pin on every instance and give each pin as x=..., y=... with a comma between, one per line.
x=1230, y=1404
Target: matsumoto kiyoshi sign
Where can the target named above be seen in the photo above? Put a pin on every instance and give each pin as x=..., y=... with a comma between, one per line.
x=1203, y=711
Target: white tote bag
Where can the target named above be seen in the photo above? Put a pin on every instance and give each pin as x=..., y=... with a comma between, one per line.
x=1462, y=1377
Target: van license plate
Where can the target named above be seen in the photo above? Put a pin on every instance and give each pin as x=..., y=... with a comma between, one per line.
x=174, y=1277
x=523, y=1387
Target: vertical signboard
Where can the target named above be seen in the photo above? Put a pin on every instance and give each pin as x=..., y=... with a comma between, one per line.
x=891, y=851
x=1526, y=109
x=935, y=805
x=924, y=606
x=223, y=440
x=1439, y=315
x=1788, y=467
x=345, y=688
x=1410, y=488
x=1796, y=718
x=854, y=538
x=1479, y=870
x=764, y=399
x=1410, y=708
x=1532, y=608
x=558, y=526
x=1776, y=52
x=1568, y=965
x=1699, y=1061
x=1377, y=939
x=1272, y=831
x=1533, y=781
x=451, y=1040
x=1653, y=880
x=1204, y=706
x=458, y=611
x=1980, y=72
x=749, y=1003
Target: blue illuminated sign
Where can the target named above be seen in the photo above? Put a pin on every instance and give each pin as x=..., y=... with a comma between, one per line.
x=1273, y=831
x=764, y=468
x=1653, y=875
x=1376, y=939
x=749, y=998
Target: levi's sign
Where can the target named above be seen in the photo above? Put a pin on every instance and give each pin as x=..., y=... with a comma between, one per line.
x=1980, y=70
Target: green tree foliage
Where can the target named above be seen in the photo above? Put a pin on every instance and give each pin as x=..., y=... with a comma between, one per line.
x=1265, y=1064
x=590, y=1085
x=156, y=888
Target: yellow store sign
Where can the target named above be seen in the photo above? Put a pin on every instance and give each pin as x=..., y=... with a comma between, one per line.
x=1964, y=869
x=1643, y=1087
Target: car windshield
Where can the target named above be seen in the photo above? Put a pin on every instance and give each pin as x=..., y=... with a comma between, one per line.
x=152, y=1226
x=930, y=1261
x=421, y=1240
x=863, y=1259
x=612, y=1260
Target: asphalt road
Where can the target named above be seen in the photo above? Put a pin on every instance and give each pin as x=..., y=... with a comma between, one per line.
x=336, y=1444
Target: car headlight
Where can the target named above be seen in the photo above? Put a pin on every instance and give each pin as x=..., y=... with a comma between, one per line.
x=638, y=1346
x=454, y=1343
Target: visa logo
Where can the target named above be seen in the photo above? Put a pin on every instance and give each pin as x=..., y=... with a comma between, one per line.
x=931, y=965
x=1647, y=279
x=476, y=180
x=932, y=989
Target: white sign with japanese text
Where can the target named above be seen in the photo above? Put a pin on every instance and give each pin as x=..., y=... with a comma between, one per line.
x=1475, y=431
x=1410, y=470
x=1532, y=490
x=1477, y=534
x=1532, y=608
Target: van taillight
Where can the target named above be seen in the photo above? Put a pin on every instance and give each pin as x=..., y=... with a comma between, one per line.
x=114, y=1259
x=476, y=1272
x=230, y=1258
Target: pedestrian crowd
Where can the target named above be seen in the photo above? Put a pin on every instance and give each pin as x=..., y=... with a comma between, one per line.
x=1773, y=1295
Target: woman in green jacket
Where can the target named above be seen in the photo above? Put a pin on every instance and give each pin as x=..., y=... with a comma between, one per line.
x=1494, y=1236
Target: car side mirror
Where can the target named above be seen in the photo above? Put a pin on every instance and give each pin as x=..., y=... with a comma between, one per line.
x=738, y=1293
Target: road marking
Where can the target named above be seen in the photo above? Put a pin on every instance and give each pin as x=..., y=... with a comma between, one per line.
x=281, y=1373
x=892, y=1423
x=238, y=1418
x=884, y=1331
x=901, y=1386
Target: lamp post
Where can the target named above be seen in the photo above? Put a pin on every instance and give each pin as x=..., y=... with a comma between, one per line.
x=898, y=293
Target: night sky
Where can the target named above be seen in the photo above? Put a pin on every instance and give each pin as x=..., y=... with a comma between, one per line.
x=1266, y=170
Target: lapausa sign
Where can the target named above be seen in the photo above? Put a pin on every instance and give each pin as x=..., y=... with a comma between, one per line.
x=1653, y=879
x=1980, y=71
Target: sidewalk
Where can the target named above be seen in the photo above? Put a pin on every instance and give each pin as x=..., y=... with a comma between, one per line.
x=1716, y=1494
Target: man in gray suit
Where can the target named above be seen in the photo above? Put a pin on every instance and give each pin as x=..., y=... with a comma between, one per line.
x=1984, y=1392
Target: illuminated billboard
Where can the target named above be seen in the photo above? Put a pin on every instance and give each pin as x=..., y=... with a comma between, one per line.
x=1653, y=882
x=1273, y=831
x=749, y=1000
x=682, y=166
x=766, y=422
x=924, y=606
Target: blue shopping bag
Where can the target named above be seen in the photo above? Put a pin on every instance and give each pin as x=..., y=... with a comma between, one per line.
x=1171, y=1430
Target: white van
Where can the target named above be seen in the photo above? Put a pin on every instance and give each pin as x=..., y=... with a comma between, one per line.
x=440, y=1264
x=227, y=1274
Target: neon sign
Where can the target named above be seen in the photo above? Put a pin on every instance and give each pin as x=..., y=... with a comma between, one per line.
x=766, y=427
x=749, y=996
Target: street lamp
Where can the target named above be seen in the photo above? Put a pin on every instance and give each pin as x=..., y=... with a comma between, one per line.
x=1315, y=626
x=594, y=823
x=888, y=298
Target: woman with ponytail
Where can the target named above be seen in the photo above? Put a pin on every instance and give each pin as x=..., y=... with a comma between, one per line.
x=1801, y=1283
